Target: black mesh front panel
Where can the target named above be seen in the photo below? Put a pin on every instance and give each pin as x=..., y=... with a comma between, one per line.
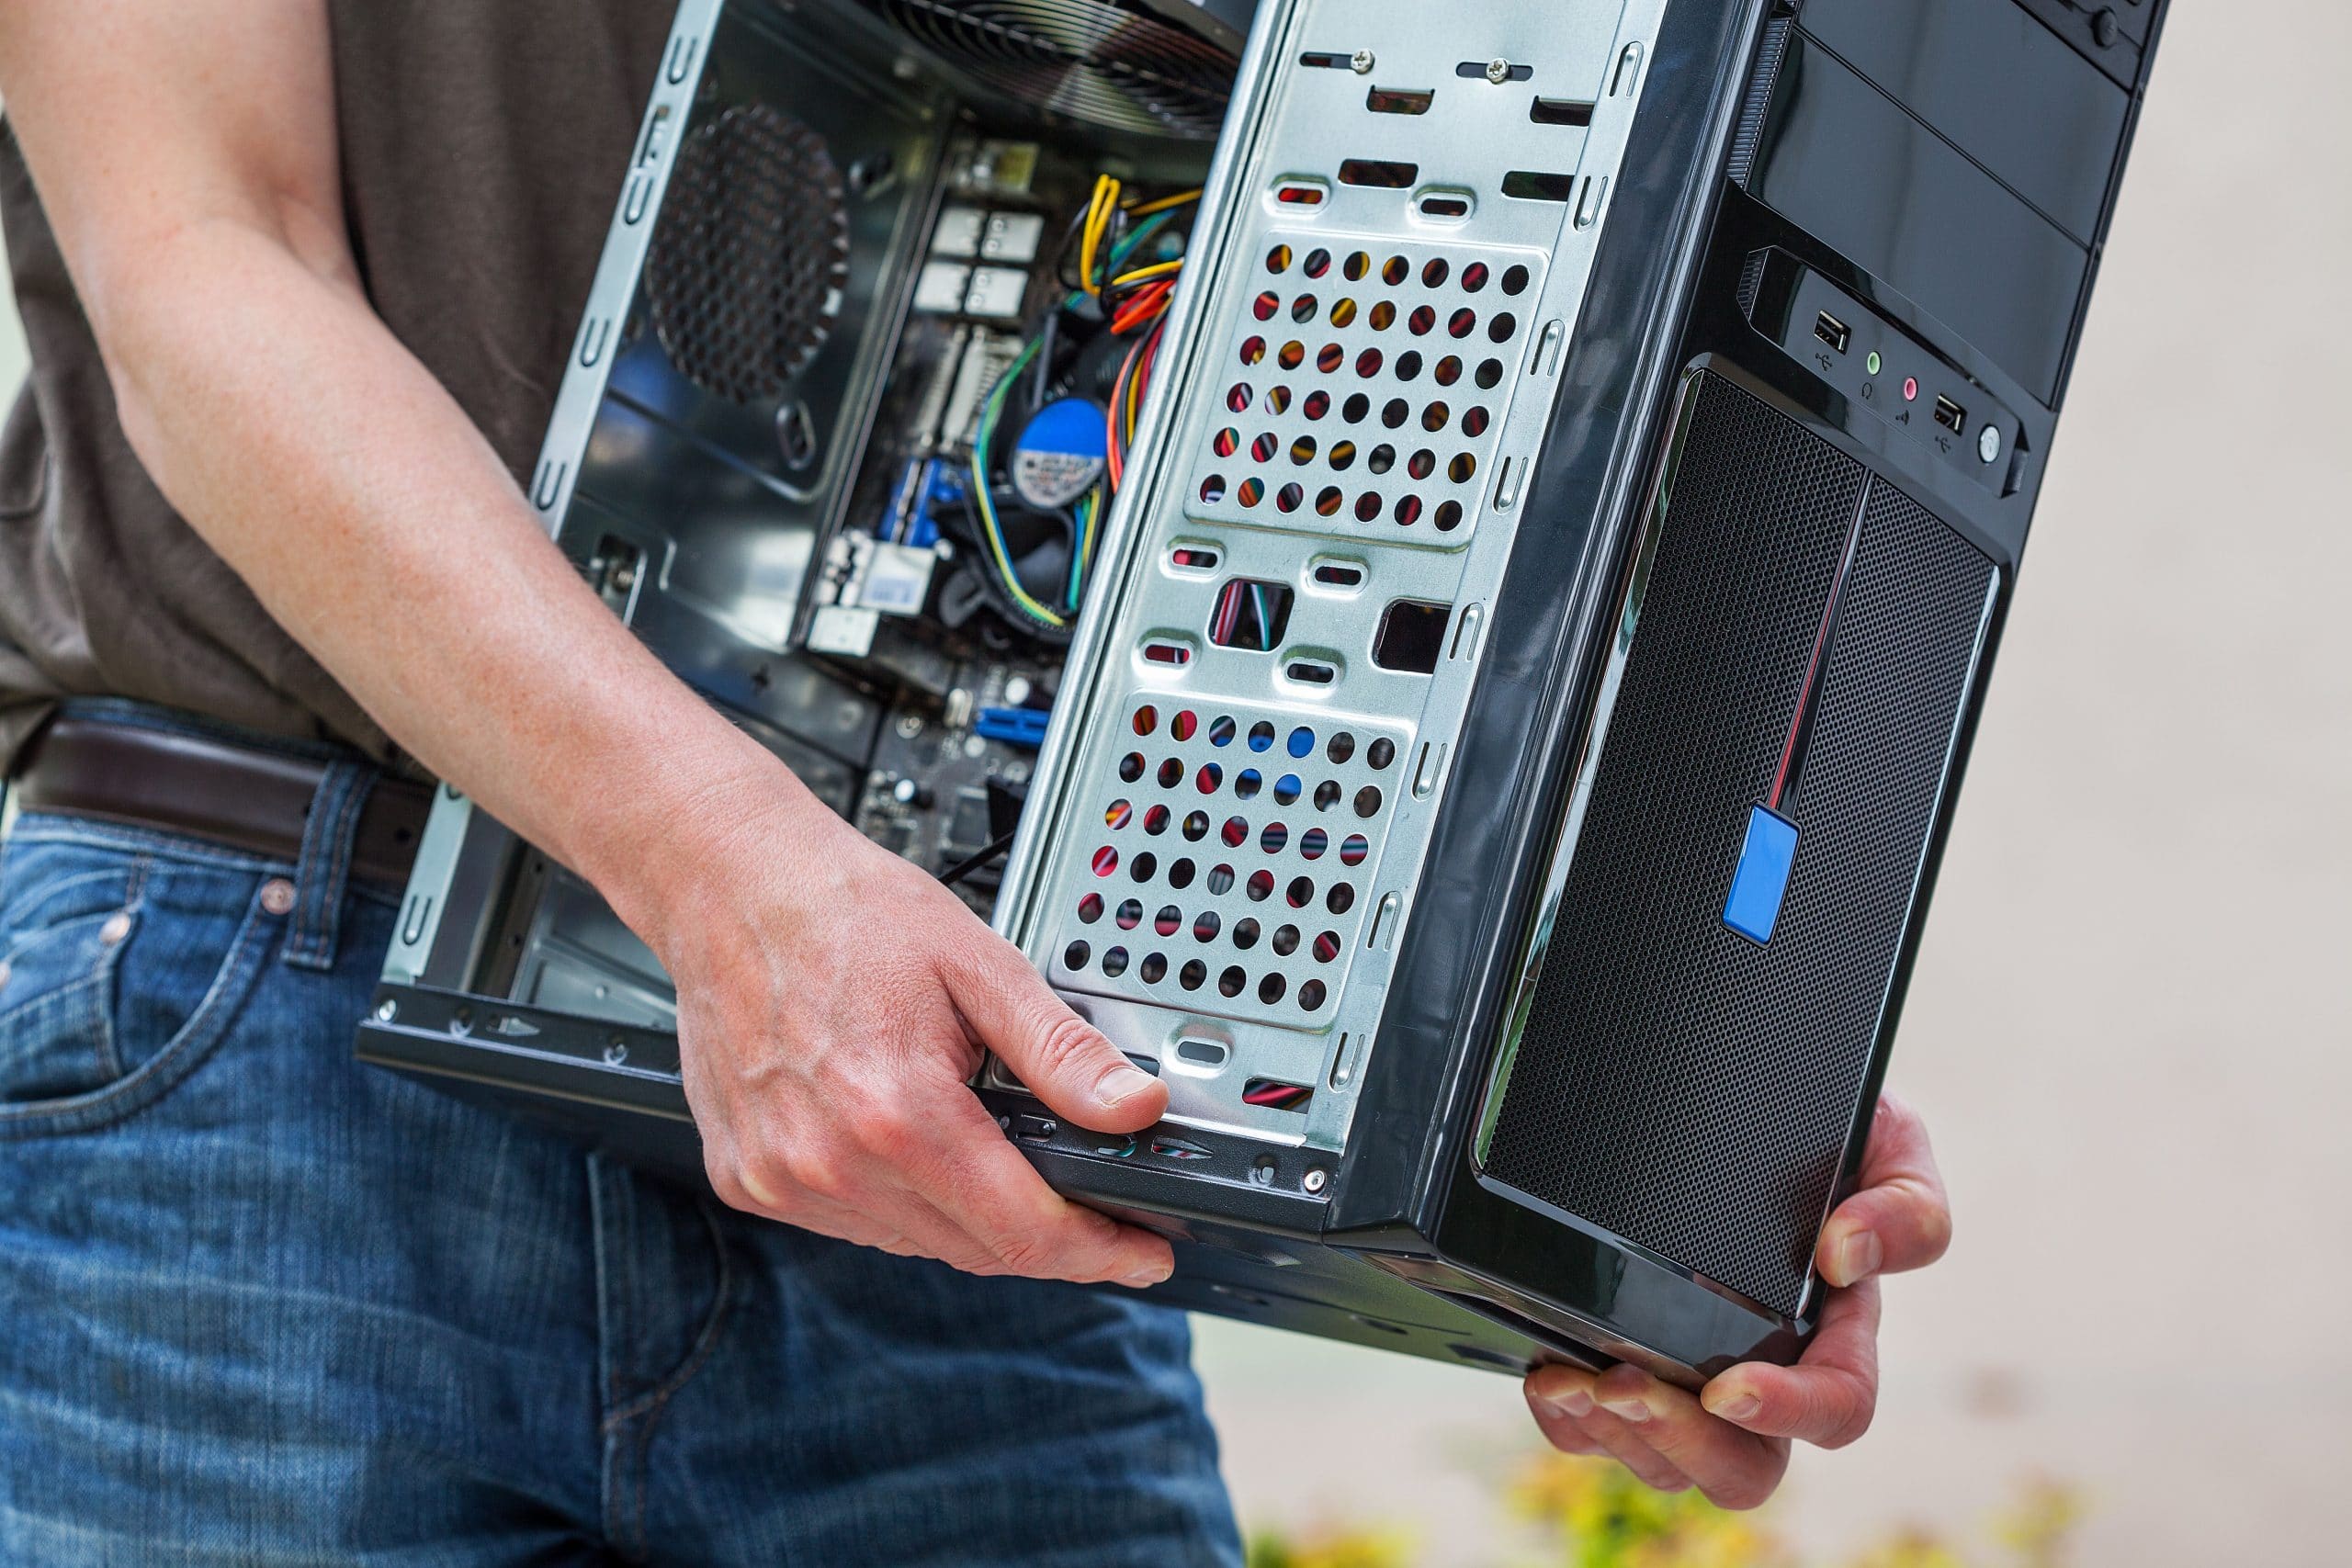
x=1677, y=1084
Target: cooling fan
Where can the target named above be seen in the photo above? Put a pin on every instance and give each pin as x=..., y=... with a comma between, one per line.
x=1164, y=67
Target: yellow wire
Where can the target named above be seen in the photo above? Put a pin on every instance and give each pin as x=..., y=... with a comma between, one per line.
x=1146, y=274
x=1098, y=220
x=1163, y=203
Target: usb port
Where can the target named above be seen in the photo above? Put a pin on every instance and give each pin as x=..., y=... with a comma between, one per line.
x=1951, y=415
x=1832, y=331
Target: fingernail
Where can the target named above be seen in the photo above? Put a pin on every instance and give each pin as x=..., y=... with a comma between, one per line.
x=1858, y=1257
x=1122, y=1084
x=1737, y=1407
x=1143, y=1279
x=1626, y=1409
x=1562, y=1397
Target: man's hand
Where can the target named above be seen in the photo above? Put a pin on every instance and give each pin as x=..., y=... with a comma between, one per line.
x=833, y=1002
x=1731, y=1440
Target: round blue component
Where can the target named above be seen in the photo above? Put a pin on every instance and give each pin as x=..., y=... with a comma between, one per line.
x=1062, y=453
x=1302, y=741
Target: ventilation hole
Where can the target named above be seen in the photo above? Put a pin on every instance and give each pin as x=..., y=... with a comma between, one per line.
x=1380, y=173
x=1474, y=278
x=1317, y=262
x=1328, y=501
x=1090, y=909
x=1303, y=309
x=1286, y=939
x=1342, y=455
x=1253, y=351
x=1339, y=574
x=1340, y=900
x=1462, y=468
x=1206, y=926
x=1356, y=266
x=1383, y=317
x=1220, y=880
x=1249, y=492
x=1168, y=921
x=1106, y=861
x=1560, y=111
x=1196, y=826
x=1131, y=767
x=1475, y=421
x=1291, y=497
x=1421, y=321
x=1245, y=934
x=1260, y=887
x=1354, y=409
x=1444, y=205
x=1535, y=185
x=1265, y=305
x=1171, y=773
x=1270, y=989
x=1231, y=982
x=1147, y=720
x=1383, y=458
x=1408, y=510
x=1264, y=447
x=1287, y=789
x=1278, y=259
x=1395, y=270
x=1212, y=492
x=1210, y=778
x=1221, y=730
x=1398, y=100
x=1240, y=396
x=1421, y=464
x=1236, y=832
x=1317, y=405
x=1262, y=737
x=1462, y=323
x=1515, y=281
x=1502, y=327
x=1175, y=653
x=1114, y=961
x=1448, y=517
x=1395, y=412
x=1181, y=874
x=1434, y=417
x=1142, y=867
x=1329, y=357
x=1274, y=839
x=1408, y=365
x=1130, y=914
x=1312, y=672
x=1301, y=742
x=1491, y=374
x=1368, y=506
x=1293, y=354
x=1435, y=272
x=1119, y=814
x=1381, y=752
x=1155, y=821
x=1278, y=400
x=1327, y=794
x=1299, y=192
x=1368, y=801
x=1327, y=947
x=1354, y=848
x=1314, y=841
x=1310, y=996
x=1344, y=312
x=1225, y=443
x=1194, y=975
x=1192, y=558
x=1449, y=370
x=1183, y=724
x=1368, y=364
x=1154, y=968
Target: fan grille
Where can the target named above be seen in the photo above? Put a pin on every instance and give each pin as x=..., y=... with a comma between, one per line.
x=1092, y=59
x=747, y=274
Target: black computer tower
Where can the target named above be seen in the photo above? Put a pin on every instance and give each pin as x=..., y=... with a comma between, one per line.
x=1497, y=775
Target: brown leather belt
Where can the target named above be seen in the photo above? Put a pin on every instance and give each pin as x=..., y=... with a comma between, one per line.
x=245, y=798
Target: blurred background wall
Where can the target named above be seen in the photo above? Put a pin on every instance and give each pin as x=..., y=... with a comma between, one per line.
x=2131, y=1022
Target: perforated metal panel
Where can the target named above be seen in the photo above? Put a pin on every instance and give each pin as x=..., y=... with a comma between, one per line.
x=1232, y=864
x=1367, y=376
x=1674, y=1083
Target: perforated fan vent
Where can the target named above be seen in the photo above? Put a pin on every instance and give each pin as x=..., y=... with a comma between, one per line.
x=1093, y=60
x=1364, y=387
x=747, y=273
x=1232, y=867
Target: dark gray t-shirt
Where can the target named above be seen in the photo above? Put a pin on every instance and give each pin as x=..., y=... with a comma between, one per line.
x=482, y=147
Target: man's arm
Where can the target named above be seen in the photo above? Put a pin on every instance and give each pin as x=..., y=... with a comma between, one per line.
x=186, y=152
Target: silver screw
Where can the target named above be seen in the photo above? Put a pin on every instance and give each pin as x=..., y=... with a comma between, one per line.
x=616, y=1052
x=910, y=726
x=1988, y=444
x=1499, y=72
x=1360, y=62
x=386, y=1010
x=1316, y=1179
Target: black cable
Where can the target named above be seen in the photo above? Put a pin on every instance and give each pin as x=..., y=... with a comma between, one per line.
x=962, y=869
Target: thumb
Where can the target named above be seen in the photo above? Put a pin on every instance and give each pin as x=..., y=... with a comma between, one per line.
x=1066, y=1061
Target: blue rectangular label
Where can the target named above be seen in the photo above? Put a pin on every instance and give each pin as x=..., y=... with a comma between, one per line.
x=1762, y=879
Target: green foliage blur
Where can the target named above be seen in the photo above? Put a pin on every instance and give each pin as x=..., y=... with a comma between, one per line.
x=1588, y=1512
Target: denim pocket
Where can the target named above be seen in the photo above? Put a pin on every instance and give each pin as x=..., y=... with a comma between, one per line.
x=123, y=970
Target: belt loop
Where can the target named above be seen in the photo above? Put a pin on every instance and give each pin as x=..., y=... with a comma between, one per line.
x=327, y=835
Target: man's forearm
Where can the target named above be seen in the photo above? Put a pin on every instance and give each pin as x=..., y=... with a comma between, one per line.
x=349, y=491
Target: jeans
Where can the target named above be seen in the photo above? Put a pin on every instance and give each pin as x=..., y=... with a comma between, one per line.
x=262, y=1304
